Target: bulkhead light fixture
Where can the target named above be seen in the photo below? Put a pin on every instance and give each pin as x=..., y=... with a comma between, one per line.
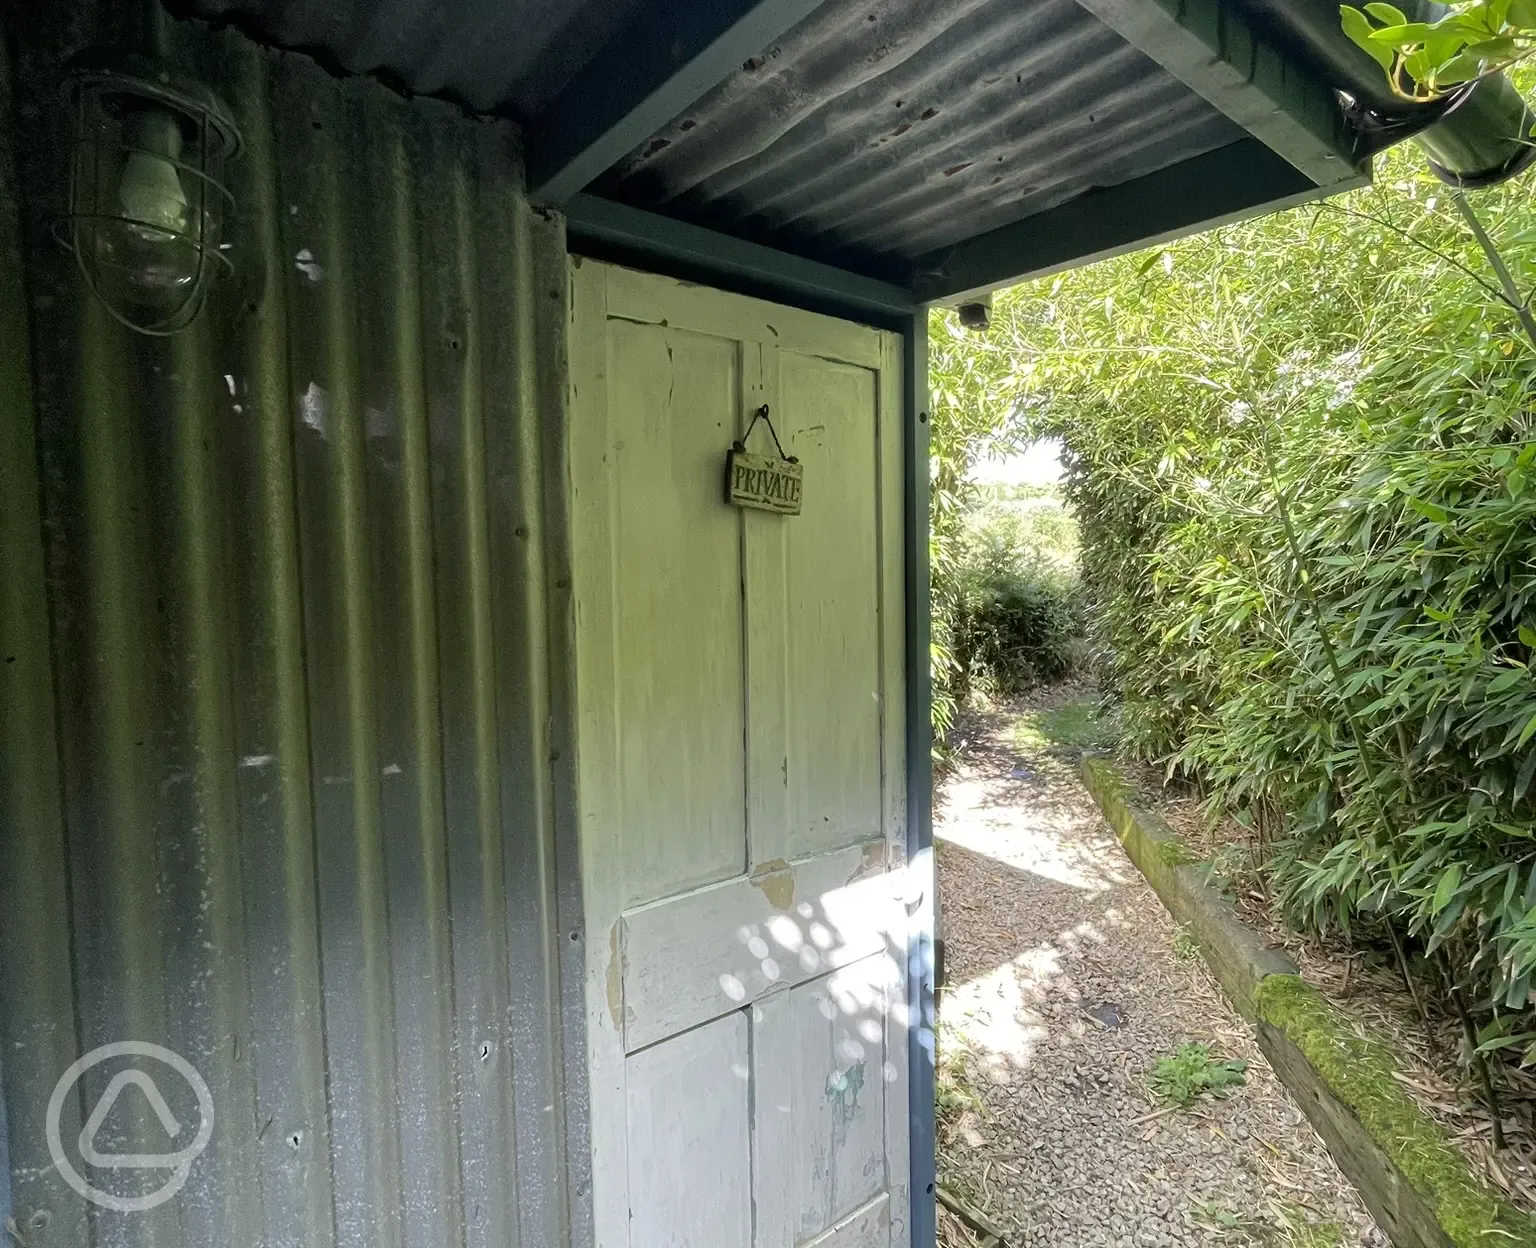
x=147, y=200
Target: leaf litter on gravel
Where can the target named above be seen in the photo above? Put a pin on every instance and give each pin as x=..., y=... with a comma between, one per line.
x=1045, y=920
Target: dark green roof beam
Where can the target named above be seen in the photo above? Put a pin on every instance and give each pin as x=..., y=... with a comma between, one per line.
x=1211, y=47
x=658, y=64
x=611, y=231
x=1240, y=180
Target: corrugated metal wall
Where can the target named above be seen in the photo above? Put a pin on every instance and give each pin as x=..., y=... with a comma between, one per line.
x=276, y=734
x=508, y=56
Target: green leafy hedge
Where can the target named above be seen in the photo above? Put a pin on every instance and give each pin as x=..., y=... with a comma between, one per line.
x=1344, y=368
x=1014, y=602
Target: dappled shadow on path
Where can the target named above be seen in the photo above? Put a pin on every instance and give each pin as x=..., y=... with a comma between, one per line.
x=1063, y=988
x=1001, y=975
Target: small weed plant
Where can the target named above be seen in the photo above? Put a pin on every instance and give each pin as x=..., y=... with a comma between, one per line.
x=1294, y=1228
x=1192, y=1072
x=952, y=1094
x=1286, y=1225
x=1211, y=1215
x=1228, y=868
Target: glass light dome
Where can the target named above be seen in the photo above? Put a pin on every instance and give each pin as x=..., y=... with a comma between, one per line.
x=147, y=200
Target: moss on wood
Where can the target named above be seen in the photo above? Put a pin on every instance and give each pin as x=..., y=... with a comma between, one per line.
x=1175, y=852
x=1117, y=799
x=1235, y=954
x=1104, y=778
x=1404, y=1164
x=1361, y=1073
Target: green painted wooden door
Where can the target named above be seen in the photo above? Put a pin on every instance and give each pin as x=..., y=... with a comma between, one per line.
x=741, y=772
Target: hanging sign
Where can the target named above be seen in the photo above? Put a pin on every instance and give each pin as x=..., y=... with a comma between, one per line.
x=763, y=482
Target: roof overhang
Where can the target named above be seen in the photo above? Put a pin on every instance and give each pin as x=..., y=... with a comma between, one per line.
x=880, y=153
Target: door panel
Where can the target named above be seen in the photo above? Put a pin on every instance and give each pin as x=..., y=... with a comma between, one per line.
x=837, y=1030
x=741, y=770
x=869, y=1227
x=750, y=936
x=690, y=1095
x=681, y=763
x=834, y=650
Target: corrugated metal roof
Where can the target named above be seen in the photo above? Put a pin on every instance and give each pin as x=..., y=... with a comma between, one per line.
x=502, y=56
x=872, y=133
x=275, y=788
x=891, y=128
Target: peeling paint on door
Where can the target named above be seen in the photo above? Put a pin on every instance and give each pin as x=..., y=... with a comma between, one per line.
x=777, y=883
x=843, y=1091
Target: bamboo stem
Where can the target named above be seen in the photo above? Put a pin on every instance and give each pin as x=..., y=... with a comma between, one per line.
x=1496, y=261
x=972, y=1217
x=1479, y=1059
x=1303, y=574
x=1413, y=988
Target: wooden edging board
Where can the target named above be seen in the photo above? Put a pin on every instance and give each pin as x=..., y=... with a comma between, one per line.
x=1418, y=1185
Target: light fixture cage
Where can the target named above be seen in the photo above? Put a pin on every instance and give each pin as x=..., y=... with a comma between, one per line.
x=151, y=267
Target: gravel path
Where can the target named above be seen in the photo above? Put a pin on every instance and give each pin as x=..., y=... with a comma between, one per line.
x=1048, y=925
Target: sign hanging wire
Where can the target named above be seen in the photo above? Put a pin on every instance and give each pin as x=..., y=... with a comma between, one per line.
x=762, y=415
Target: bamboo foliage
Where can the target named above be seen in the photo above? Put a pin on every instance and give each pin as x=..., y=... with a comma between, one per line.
x=1360, y=688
